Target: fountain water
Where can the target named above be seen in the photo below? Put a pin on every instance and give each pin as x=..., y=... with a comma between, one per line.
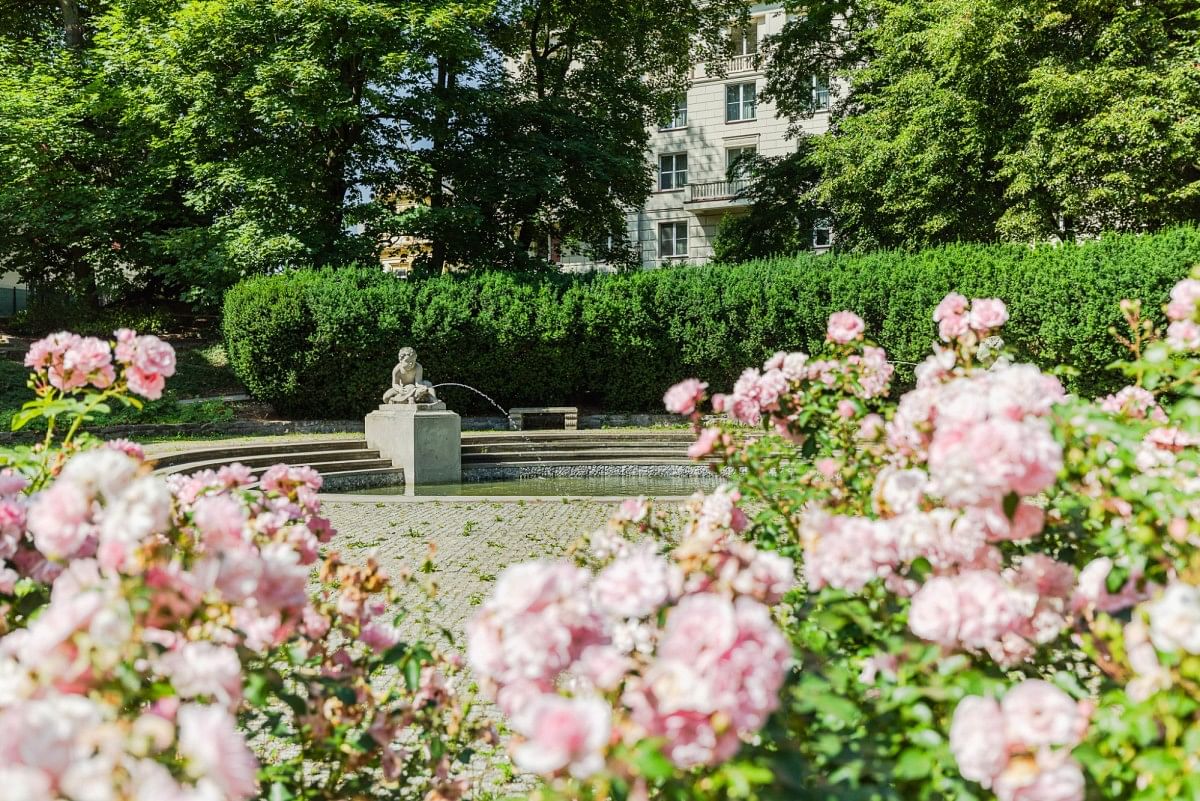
x=511, y=423
x=480, y=394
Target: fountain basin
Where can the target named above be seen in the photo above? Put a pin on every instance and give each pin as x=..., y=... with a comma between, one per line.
x=583, y=481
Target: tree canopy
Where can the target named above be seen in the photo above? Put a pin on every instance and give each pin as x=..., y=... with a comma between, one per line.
x=174, y=146
x=984, y=120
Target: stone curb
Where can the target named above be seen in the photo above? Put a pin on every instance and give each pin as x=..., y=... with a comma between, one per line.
x=478, y=499
x=255, y=428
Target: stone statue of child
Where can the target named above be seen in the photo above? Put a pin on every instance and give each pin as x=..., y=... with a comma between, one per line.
x=408, y=384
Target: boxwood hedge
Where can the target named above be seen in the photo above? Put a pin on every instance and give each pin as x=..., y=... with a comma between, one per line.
x=321, y=343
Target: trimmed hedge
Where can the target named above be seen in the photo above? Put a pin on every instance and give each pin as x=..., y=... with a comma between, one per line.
x=322, y=343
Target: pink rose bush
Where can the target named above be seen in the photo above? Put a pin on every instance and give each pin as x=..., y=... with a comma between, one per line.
x=1020, y=746
x=66, y=362
x=1001, y=581
x=675, y=651
x=154, y=628
x=75, y=378
x=768, y=393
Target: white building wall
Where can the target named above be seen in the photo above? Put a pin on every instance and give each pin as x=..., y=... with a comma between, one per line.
x=706, y=139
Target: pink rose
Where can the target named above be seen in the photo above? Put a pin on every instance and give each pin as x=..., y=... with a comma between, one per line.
x=870, y=427
x=974, y=609
x=537, y=622
x=633, y=510
x=221, y=521
x=1134, y=402
x=1183, y=335
x=1184, y=297
x=603, y=666
x=685, y=396
x=148, y=385
x=200, y=669
x=564, y=734
x=847, y=552
x=898, y=492
x=977, y=739
x=60, y=519
x=215, y=749
x=1044, y=777
x=127, y=447
x=11, y=482
x=719, y=666
x=776, y=362
x=148, y=362
x=314, y=625
x=953, y=305
x=953, y=326
x=1092, y=588
x=1037, y=714
x=845, y=327
x=48, y=350
x=988, y=314
x=635, y=585
x=771, y=386
x=379, y=636
x=704, y=444
x=88, y=360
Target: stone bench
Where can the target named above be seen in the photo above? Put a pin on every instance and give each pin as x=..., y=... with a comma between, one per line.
x=570, y=415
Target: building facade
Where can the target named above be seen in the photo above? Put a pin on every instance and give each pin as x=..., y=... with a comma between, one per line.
x=13, y=294
x=694, y=155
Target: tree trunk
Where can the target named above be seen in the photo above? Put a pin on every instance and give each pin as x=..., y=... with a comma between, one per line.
x=444, y=85
x=84, y=286
x=72, y=24
x=336, y=180
x=335, y=187
x=84, y=283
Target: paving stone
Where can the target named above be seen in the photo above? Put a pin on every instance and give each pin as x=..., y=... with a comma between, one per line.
x=474, y=542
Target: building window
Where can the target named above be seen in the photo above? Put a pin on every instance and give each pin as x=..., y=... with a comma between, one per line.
x=739, y=102
x=820, y=94
x=672, y=171
x=678, y=117
x=822, y=235
x=672, y=240
x=737, y=161
x=745, y=39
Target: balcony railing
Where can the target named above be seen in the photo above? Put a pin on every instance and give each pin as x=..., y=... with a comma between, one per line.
x=744, y=63
x=717, y=190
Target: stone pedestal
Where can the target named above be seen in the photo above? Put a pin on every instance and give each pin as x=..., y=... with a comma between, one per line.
x=422, y=438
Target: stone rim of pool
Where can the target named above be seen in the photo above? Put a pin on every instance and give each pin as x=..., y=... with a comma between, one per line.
x=664, y=484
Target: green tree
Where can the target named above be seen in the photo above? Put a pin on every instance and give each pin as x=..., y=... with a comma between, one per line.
x=174, y=146
x=927, y=100
x=279, y=114
x=80, y=191
x=989, y=119
x=782, y=214
x=542, y=143
x=1111, y=116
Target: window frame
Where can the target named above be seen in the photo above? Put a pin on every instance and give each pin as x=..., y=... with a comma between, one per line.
x=729, y=160
x=677, y=122
x=823, y=224
x=738, y=38
x=674, y=239
x=675, y=172
x=741, y=103
x=819, y=88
